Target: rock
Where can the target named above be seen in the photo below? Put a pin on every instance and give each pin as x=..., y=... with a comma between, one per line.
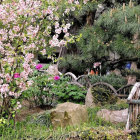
x=89, y=101
x=117, y=72
x=131, y=79
x=113, y=55
x=53, y=70
x=134, y=66
x=68, y=114
x=113, y=116
x=100, y=9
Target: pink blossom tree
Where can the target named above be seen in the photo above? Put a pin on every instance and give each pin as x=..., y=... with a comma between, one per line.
x=25, y=29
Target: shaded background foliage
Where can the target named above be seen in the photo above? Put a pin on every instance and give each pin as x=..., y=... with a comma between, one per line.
x=114, y=30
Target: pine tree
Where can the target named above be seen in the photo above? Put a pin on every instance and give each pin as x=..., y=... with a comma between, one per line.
x=116, y=31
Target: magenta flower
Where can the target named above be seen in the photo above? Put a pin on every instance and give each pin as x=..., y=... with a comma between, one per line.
x=16, y=75
x=38, y=66
x=56, y=78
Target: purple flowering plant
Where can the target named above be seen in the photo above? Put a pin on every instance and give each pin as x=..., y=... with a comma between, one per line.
x=56, y=78
x=16, y=75
x=39, y=66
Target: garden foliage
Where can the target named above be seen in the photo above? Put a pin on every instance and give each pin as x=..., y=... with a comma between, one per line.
x=32, y=27
x=103, y=96
x=112, y=79
x=115, y=32
x=28, y=27
x=50, y=90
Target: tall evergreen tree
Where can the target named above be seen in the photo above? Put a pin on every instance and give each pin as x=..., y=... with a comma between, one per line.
x=116, y=32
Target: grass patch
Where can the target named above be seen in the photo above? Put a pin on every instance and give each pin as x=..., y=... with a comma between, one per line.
x=120, y=105
x=39, y=127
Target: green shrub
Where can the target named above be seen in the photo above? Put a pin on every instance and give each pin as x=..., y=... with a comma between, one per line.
x=41, y=119
x=116, y=106
x=115, y=80
x=40, y=90
x=127, y=72
x=103, y=96
x=3, y=124
x=104, y=133
x=47, y=91
x=69, y=92
x=121, y=104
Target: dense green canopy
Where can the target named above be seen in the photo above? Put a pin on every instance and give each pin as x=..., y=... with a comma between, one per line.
x=116, y=32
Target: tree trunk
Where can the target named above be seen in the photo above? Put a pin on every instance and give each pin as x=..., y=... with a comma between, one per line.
x=90, y=18
x=6, y=108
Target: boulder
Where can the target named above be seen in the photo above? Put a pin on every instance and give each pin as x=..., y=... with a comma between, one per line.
x=113, y=55
x=89, y=101
x=134, y=66
x=131, y=79
x=53, y=70
x=113, y=116
x=68, y=114
x=117, y=72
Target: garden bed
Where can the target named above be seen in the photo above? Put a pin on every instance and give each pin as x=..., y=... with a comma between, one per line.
x=34, y=123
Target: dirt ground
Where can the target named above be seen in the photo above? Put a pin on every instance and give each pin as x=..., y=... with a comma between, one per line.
x=28, y=110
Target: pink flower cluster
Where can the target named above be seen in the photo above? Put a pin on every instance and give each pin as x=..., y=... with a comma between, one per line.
x=96, y=64
x=55, y=42
x=20, y=26
x=39, y=66
x=16, y=75
x=76, y=1
x=4, y=88
x=56, y=78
